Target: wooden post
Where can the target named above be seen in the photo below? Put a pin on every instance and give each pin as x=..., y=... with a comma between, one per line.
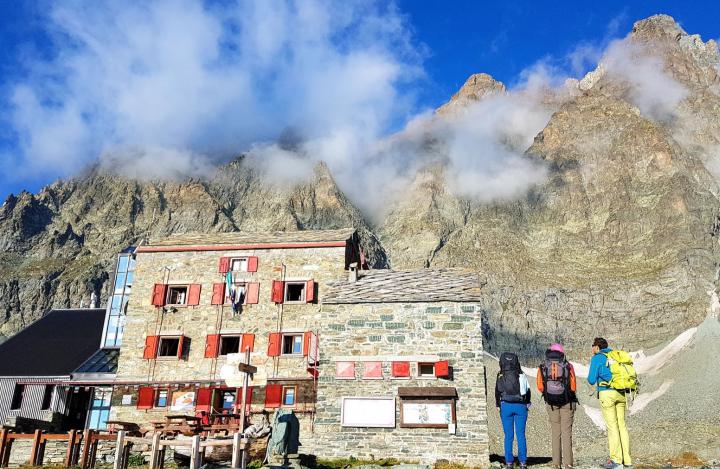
x=70, y=449
x=35, y=449
x=246, y=380
x=243, y=460
x=93, y=450
x=236, y=450
x=155, y=452
x=76, y=450
x=6, y=454
x=87, y=434
x=120, y=450
x=4, y=445
x=195, y=453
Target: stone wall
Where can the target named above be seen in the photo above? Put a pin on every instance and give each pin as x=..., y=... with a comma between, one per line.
x=397, y=331
x=196, y=322
x=55, y=452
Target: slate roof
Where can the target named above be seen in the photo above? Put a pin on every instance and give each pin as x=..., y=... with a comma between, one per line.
x=406, y=286
x=241, y=237
x=54, y=345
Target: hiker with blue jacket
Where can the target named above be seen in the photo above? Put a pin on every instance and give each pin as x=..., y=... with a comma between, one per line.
x=512, y=397
x=613, y=403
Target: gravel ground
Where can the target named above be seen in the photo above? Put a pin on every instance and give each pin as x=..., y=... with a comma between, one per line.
x=685, y=418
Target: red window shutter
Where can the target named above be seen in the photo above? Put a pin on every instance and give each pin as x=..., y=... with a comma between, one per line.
x=181, y=342
x=212, y=345
x=146, y=398
x=274, y=344
x=203, y=401
x=345, y=370
x=218, y=296
x=442, y=369
x=194, y=294
x=278, y=291
x=151, y=345
x=252, y=293
x=247, y=342
x=252, y=264
x=273, y=395
x=310, y=291
x=401, y=369
x=373, y=370
x=306, y=343
x=158, y=296
x=224, y=265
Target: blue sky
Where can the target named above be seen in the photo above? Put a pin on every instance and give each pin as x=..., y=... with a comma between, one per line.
x=413, y=56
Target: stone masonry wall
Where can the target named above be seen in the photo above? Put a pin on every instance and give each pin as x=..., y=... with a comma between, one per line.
x=196, y=322
x=449, y=331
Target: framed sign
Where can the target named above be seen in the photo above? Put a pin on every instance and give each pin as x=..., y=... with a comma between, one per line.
x=183, y=400
x=368, y=412
x=427, y=413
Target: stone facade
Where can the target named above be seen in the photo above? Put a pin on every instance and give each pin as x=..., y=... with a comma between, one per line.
x=411, y=332
x=188, y=265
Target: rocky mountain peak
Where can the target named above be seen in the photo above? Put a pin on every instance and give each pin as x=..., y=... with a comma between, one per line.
x=657, y=27
x=477, y=87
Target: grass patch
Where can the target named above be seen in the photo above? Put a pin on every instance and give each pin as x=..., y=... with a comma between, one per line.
x=687, y=459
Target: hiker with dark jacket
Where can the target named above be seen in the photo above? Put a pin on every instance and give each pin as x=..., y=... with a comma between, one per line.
x=512, y=397
x=557, y=383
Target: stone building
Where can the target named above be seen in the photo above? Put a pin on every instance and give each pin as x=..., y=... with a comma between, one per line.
x=401, y=368
x=199, y=299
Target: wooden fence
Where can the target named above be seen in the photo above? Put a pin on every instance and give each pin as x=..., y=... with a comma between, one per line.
x=82, y=448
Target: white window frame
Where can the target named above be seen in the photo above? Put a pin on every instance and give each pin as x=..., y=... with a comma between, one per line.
x=243, y=284
x=285, y=388
x=185, y=298
x=303, y=296
x=426, y=376
x=282, y=345
x=224, y=336
x=178, y=353
x=240, y=260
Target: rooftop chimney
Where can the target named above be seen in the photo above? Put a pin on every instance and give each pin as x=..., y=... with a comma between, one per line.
x=353, y=273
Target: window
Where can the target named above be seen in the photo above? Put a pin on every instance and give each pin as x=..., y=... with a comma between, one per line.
x=229, y=344
x=236, y=295
x=295, y=292
x=47, y=397
x=227, y=399
x=161, y=398
x=292, y=344
x=426, y=370
x=177, y=295
x=169, y=347
x=17, y=397
x=99, y=409
x=239, y=264
x=288, y=396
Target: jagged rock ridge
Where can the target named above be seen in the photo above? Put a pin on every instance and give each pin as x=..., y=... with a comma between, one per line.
x=620, y=241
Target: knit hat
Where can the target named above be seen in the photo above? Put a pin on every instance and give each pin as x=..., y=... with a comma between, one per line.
x=557, y=348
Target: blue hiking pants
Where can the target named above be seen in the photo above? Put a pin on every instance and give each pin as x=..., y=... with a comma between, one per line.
x=514, y=417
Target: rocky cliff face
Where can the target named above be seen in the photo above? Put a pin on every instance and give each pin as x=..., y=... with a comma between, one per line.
x=620, y=240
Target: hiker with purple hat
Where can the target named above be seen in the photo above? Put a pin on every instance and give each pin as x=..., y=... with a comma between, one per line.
x=557, y=383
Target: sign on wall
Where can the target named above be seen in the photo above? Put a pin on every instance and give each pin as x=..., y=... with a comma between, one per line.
x=427, y=413
x=183, y=401
x=368, y=412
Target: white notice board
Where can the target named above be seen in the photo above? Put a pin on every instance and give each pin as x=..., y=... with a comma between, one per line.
x=368, y=412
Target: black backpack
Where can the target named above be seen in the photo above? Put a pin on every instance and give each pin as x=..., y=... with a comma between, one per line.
x=555, y=372
x=508, y=378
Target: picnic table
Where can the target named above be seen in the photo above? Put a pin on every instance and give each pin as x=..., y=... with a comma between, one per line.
x=186, y=424
x=132, y=428
x=219, y=418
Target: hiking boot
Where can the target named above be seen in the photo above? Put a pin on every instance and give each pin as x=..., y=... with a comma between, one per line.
x=509, y=465
x=612, y=465
x=523, y=465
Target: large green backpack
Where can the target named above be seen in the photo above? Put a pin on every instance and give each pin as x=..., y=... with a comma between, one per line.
x=624, y=377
